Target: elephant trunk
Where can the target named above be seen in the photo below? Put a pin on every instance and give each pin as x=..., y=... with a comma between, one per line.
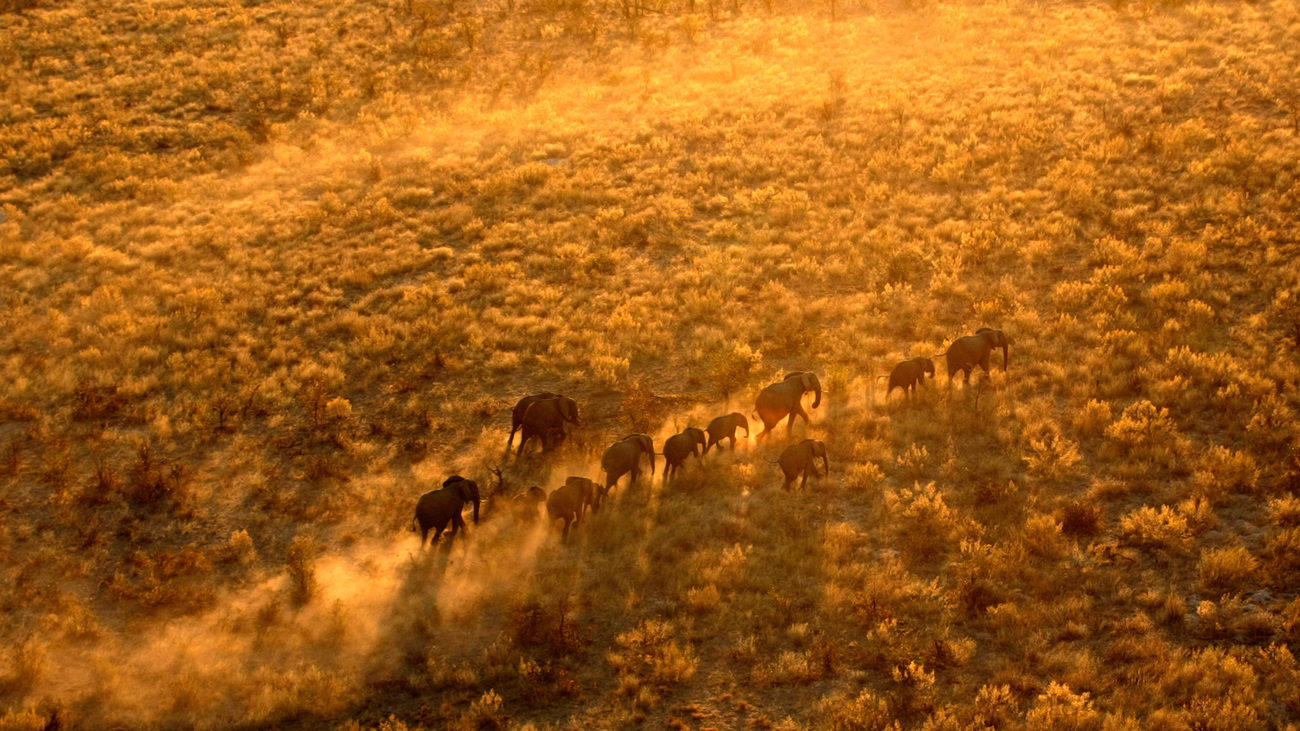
x=817, y=392
x=476, y=502
x=1004, y=356
x=826, y=467
x=652, y=463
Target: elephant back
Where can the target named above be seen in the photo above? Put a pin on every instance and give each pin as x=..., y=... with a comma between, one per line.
x=614, y=456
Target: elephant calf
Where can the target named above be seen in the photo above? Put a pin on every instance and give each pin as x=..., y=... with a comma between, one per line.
x=569, y=501
x=724, y=427
x=801, y=459
x=438, y=508
x=680, y=446
x=523, y=507
x=908, y=375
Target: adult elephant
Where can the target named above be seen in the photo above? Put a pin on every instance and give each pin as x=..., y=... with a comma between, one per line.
x=680, y=446
x=438, y=508
x=544, y=419
x=624, y=456
x=908, y=375
x=973, y=350
x=569, y=501
x=800, y=458
x=786, y=397
x=724, y=427
x=517, y=415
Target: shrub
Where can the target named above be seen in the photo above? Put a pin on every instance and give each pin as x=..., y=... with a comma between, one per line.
x=927, y=527
x=651, y=655
x=863, y=712
x=1060, y=709
x=1226, y=570
x=1163, y=529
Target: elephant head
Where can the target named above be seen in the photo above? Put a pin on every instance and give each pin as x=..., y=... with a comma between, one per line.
x=466, y=489
x=568, y=409
x=927, y=365
x=808, y=382
x=817, y=448
x=644, y=444
x=995, y=339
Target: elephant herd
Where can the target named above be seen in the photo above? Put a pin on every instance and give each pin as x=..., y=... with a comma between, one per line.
x=543, y=416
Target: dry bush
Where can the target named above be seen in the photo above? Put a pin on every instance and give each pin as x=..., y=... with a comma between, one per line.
x=1060, y=709
x=1165, y=529
x=1226, y=570
x=650, y=655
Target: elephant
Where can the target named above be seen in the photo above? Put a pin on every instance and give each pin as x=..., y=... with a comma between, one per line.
x=517, y=416
x=623, y=457
x=569, y=501
x=544, y=419
x=724, y=427
x=785, y=397
x=801, y=458
x=438, y=508
x=523, y=507
x=967, y=352
x=908, y=375
x=679, y=446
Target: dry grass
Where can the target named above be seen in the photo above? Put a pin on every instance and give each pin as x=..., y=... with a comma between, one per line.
x=270, y=271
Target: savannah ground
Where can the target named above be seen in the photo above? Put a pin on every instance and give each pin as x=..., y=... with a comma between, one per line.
x=270, y=271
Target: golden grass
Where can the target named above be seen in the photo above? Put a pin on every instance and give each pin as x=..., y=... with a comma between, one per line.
x=270, y=271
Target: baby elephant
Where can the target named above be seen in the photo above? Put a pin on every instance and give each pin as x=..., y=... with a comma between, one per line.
x=568, y=502
x=908, y=375
x=801, y=458
x=523, y=507
x=680, y=446
x=724, y=427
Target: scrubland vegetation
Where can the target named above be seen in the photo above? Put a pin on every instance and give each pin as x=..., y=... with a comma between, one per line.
x=270, y=271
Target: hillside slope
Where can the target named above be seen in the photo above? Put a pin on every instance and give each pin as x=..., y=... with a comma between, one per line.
x=269, y=272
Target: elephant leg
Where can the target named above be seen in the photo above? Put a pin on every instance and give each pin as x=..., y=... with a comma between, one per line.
x=424, y=537
x=567, y=521
x=437, y=535
x=803, y=484
x=798, y=411
x=523, y=439
x=789, y=423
